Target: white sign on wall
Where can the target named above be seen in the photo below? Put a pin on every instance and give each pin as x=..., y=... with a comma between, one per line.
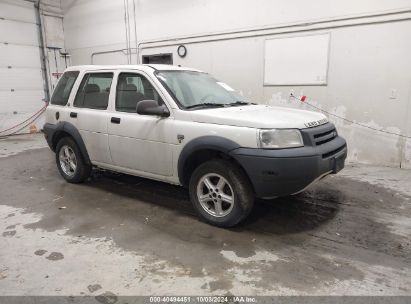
x=301, y=60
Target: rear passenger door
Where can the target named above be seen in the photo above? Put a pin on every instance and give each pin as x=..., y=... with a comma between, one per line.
x=90, y=115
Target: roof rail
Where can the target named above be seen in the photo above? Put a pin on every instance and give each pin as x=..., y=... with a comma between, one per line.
x=151, y=67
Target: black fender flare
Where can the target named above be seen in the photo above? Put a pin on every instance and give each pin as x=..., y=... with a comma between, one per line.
x=215, y=143
x=70, y=129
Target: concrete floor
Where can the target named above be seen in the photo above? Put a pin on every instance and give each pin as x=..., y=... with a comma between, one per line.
x=347, y=235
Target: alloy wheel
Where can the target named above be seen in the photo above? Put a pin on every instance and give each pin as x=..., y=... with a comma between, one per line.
x=68, y=160
x=215, y=194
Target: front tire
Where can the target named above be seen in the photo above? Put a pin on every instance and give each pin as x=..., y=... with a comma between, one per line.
x=221, y=193
x=70, y=161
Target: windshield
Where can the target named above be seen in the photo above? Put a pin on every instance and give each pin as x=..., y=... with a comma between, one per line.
x=196, y=89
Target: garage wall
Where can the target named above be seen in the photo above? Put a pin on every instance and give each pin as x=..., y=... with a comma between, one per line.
x=368, y=79
x=21, y=81
x=92, y=26
x=24, y=80
x=53, y=32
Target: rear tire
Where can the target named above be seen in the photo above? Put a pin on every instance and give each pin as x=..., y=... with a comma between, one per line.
x=221, y=193
x=70, y=161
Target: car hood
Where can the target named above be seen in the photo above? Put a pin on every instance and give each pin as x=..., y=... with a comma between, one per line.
x=259, y=116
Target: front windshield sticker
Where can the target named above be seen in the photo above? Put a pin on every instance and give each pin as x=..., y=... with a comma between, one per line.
x=226, y=86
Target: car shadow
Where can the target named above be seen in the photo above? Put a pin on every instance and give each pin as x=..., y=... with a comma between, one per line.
x=292, y=214
x=281, y=216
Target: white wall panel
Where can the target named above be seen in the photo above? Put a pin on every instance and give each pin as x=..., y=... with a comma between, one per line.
x=10, y=9
x=54, y=31
x=81, y=55
x=15, y=32
x=19, y=105
x=369, y=82
x=19, y=56
x=21, y=80
x=28, y=101
x=114, y=58
x=94, y=23
x=297, y=60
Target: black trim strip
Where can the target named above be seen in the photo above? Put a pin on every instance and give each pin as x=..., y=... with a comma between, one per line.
x=149, y=65
x=333, y=152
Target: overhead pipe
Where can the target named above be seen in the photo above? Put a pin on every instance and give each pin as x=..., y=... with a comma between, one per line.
x=128, y=30
x=127, y=50
x=253, y=32
x=288, y=28
x=124, y=51
x=135, y=30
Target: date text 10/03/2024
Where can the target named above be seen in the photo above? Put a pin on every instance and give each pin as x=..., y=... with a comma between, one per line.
x=200, y=299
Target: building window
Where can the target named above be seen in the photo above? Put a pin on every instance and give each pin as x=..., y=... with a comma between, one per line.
x=158, y=59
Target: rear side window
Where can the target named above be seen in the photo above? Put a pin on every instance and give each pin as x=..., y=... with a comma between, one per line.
x=94, y=91
x=133, y=88
x=62, y=91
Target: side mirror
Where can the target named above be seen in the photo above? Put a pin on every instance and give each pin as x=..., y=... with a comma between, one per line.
x=151, y=107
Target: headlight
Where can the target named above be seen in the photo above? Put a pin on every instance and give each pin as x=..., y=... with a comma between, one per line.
x=280, y=138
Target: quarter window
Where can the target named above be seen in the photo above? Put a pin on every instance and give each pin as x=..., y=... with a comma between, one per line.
x=94, y=91
x=133, y=88
x=62, y=91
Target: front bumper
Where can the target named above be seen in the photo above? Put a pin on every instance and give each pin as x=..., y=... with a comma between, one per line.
x=282, y=172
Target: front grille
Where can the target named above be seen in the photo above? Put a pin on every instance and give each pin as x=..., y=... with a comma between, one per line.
x=324, y=137
x=319, y=135
x=333, y=152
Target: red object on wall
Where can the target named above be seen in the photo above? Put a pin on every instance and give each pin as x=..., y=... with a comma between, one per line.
x=56, y=74
x=303, y=98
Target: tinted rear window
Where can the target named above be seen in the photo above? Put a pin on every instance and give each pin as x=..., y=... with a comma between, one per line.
x=62, y=91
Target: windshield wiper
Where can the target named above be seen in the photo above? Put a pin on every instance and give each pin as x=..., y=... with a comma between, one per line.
x=240, y=103
x=206, y=105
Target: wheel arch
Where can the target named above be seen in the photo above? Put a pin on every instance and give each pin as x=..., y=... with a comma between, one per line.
x=66, y=129
x=202, y=149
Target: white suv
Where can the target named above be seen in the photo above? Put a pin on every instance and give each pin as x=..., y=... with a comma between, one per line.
x=182, y=126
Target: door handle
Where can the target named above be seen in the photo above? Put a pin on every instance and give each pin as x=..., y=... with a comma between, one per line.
x=115, y=120
x=73, y=114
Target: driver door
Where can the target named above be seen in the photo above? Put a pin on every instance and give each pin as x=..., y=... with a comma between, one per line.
x=139, y=142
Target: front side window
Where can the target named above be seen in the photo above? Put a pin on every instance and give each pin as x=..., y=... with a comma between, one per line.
x=196, y=89
x=62, y=91
x=133, y=88
x=94, y=91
